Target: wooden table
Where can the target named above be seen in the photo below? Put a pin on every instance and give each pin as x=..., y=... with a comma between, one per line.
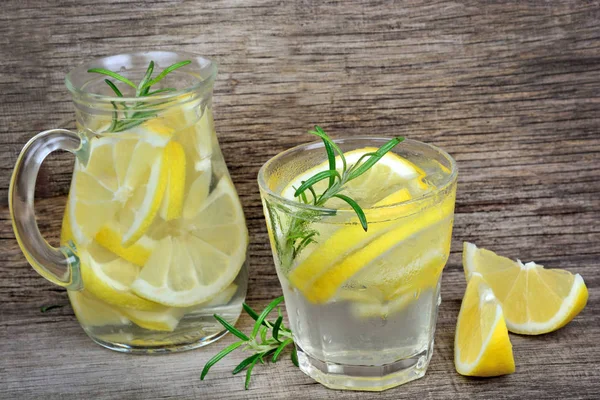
x=511, y=90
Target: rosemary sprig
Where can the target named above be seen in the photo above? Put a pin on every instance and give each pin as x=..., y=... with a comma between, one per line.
x=260, y=343
x=133, y=115
x=299, y=234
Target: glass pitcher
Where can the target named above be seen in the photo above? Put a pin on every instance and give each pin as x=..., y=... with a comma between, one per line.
x=153, y=239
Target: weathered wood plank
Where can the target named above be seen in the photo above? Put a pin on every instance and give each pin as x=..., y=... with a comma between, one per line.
x=511, y=89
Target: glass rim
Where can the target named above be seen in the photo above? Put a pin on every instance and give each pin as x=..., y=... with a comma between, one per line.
x=196, y=59
x=448, y=181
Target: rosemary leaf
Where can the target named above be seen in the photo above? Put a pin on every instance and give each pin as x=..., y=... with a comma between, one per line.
x=165, y=72
x=218, y=357
x=264, y=314
x=319, y=176
x=112, y=75
x=282, y=346
x=249, y=373
x=247, y=361
x=231, y=328
x=276, y=328
x=357, y=209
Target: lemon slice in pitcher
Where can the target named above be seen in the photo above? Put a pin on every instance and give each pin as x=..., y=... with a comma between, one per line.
x=120, y=174
x=482, y=346
x=389, y=175
x=108, y=278
x=197, y=257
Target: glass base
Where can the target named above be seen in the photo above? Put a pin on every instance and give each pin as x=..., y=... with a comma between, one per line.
x=374, y=378
x=159, y=348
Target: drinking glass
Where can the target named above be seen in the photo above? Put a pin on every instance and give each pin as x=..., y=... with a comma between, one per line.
x=362, y=305
x=153, y=239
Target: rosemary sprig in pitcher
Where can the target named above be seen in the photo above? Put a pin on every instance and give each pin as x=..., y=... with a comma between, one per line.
x=134, y=115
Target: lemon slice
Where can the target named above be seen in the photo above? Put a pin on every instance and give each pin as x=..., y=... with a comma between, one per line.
x=350, y=249
x=199, y=256
x=172, y=205
x=120, y=174
x=110, y=237
x=93, y=312
x=389, y=175
x=481, y=343
x=535, y=300
x=109, y=278
x=165, y=321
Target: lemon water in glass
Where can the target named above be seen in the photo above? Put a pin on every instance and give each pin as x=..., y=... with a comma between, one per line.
x=153, y=239
x=362, y=305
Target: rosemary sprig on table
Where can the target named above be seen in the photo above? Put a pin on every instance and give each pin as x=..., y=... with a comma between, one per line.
x=267, y=339
x=133, y=115
x=299, y=234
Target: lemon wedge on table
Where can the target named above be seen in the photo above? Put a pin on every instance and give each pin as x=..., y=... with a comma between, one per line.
x=120, y=174
x=350, y=249
x=197, y=257
x=535, y=300
x=482, y=346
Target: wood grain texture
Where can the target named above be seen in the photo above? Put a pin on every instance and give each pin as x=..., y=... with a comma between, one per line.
x=510, y=89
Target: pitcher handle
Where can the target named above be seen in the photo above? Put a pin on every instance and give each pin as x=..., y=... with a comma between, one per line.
x=58, y=265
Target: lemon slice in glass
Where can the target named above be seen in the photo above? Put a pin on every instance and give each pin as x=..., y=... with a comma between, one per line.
x=535, y=300
x=349, y=250
x=109, y=278
x=481, y=344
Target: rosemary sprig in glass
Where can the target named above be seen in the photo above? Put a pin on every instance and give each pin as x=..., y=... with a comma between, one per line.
x=133, y=115
x=271, y=338
x=268, y=339
x=299, y=234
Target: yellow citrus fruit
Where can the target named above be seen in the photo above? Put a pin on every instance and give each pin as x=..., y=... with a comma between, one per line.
x=125, y=176
x=481, y=344
x=535, y=300
x=196, y=257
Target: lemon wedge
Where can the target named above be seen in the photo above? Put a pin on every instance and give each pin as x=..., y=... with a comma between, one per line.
x=120, y=174
x=481, y=345
x=535, y=300
x=199, y=256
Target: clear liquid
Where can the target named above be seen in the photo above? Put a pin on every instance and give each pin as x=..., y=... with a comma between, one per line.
x=112, y=323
